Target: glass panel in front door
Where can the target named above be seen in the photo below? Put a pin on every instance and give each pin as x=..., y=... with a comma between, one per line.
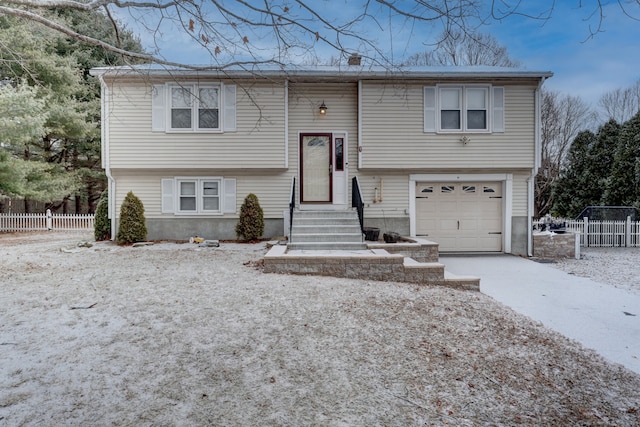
x=316, y=174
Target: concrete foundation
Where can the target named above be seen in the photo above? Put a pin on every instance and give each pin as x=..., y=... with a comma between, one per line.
x=209, y=228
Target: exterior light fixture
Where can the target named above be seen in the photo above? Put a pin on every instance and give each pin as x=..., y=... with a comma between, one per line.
x=323, y=109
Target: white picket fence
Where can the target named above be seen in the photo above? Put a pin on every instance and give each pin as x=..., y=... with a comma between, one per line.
x=45, y=222
x=601, y=234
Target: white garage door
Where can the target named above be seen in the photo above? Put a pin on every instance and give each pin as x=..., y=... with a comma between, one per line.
x=461, y=217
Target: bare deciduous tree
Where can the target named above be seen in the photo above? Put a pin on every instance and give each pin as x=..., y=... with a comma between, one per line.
x=278, y=31
x=562, y=118
x=621, y=104
x=460, y=48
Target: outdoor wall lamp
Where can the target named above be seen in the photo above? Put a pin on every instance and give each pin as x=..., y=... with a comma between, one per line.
x=323, y=109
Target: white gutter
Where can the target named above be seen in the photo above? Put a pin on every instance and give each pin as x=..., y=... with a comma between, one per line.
x=106, y=164
x=320, y=72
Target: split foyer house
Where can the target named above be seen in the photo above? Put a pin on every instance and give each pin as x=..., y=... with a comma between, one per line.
x=446, y=154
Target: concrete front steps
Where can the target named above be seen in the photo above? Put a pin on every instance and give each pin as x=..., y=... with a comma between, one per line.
x=326, y=230
x=411, y=262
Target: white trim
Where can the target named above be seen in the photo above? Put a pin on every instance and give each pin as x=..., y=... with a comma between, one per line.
x=507, y=194
x=168, y=192
x=193, y=88
x=536, y=132
x=158, y=108
x=359, y=147
x=497, y=111
x=198, y=180
x=430, y=111
x=455, y=177
x=228, y=105
x=229, y=195
x=333, y=205
x=463, y=107
x=286, y=124
x=508, y=213
x=530, y=205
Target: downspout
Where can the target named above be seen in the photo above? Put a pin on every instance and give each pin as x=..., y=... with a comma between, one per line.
x=536, y=166
x=106, y=164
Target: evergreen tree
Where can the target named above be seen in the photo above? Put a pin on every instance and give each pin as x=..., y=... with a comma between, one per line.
x=56, y=68
x=600, y=162
x=623, y=185
x=132, y=227
x=568, y=195
x=250, y=225
x=102, y=223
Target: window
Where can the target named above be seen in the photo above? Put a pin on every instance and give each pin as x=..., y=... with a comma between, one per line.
x=468, y=189
x=192, y=107
x=198, y=195
x=446, y=189
x=463, y=108
x=208, y=108
x=339, y=155
x=477, y=109
x=450, y=109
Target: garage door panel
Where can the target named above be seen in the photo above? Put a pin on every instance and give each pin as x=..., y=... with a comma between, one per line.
x=469, y=225
x=460, y=216
x=447, y=225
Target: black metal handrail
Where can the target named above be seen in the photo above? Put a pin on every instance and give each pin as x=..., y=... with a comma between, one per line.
x=292, y=204
x=356, y=201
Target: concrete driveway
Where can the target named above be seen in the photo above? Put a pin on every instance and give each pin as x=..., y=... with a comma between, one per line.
x=598, y=316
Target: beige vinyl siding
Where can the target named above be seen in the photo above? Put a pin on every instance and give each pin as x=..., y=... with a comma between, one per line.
x=272, y=190
x=258, y=143
x=520, y=194
x=395, y=194
x=342, y=116
x=393, y=135
x=394, y=190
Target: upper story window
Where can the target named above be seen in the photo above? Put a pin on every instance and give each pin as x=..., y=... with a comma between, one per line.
x=194, y=107
x=463, y=108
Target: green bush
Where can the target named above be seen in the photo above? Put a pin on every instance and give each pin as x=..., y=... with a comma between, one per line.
x=132, y=227
x=250, y=226
x=102, y=223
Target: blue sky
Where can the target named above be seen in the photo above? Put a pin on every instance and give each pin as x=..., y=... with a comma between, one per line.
x=583, y=66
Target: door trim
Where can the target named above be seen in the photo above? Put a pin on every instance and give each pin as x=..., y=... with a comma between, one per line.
x=329, y=165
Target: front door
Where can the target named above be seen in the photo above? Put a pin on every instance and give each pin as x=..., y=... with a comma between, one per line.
x=316, y=168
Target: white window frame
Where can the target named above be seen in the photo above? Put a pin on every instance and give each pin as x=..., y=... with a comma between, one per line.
x=194, y=89
x=199, y=185
x=170, y=189
x=493, y=108
x=463, y=108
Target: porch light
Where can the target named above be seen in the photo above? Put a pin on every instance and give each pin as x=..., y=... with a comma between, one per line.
x=323, y=109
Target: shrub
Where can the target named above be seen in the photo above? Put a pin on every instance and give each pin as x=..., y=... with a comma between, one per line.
x=102, y=223
x=132, y=227
x=250, y=226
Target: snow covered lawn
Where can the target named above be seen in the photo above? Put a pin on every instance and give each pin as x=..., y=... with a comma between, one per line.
x=174, y=334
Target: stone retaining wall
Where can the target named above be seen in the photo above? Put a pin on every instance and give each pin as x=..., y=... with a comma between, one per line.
x=419, y=249
x=552, y=245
